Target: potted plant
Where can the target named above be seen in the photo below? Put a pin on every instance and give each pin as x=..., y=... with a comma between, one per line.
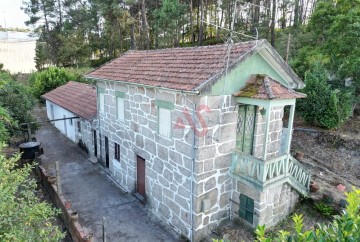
x=74, y=216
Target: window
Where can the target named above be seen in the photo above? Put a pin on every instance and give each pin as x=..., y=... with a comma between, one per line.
x=101, y=98
x=79, y=126
x=246, y=210
x=71, y=121
x=102, y=102
x=120, y=105
x=117, y=151
x=245, y=128
x=164, y=117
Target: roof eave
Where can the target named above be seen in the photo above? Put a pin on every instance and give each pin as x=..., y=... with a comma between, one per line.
x=194, y=91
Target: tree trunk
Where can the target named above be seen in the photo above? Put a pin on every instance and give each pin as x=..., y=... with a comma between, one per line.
x=272, y=27
x=201, y=32
x=296, y=13
x=145, y=25
x=220, y=22
x=191, y=23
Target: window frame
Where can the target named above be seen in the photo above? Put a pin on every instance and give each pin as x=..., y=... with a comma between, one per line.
x=79, y=126
x=168, y=106
x=119, y=96
x=101, y=99
x=117, y=151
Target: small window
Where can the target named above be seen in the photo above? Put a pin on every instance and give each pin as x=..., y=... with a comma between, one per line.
x=246, y=210
x=102, y=102
x=117, y=151
x=164, y=117
x=71, y=121
x=120, y=108
x=79, y=126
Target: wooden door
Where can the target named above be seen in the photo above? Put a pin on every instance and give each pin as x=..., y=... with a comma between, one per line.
x=106, y=152
x=140, y=184
x=95, y=143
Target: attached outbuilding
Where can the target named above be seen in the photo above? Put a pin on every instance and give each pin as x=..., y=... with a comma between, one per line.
x=72, y=106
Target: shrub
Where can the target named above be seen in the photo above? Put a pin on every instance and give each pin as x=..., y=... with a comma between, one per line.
x=324, y=209
x=23, y=216
x=47, y=80
x=345, y=227
x=16, y=102
x=323, y=106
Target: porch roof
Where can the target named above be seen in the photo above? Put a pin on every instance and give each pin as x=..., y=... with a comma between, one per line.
x=263, y=87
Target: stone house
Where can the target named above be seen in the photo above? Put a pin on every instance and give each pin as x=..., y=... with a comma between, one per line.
x=202, y=134
x=74, y=106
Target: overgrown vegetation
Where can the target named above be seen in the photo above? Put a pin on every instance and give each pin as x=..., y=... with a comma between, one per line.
x=344, y=227
x=23, y=216
x=16, y=103
x=44, y=81
x=324, y=106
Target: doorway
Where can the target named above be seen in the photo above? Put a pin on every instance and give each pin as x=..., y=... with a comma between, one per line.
x=95, y=143
x=65, y=127
x=106, y=152
x=140, y=178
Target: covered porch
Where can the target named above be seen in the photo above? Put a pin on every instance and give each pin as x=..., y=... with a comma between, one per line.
x=261, y=162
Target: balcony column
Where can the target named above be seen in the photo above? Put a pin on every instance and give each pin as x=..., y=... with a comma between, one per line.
x=267, y=127
x=290, y=127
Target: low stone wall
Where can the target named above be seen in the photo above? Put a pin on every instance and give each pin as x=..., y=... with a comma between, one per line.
x=77, y=232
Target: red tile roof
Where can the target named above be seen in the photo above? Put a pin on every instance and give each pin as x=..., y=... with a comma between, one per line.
x=177, y=68
x=263, y=87
x=78, y=98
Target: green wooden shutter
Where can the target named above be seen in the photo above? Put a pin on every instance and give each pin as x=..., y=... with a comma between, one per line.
x=245, y=128
x=246, y=209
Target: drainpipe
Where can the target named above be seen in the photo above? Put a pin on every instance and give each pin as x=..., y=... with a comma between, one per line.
x=194, y=148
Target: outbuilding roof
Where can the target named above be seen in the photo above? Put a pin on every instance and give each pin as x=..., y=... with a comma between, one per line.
x=186, y=69
x=78, y=98
x=264, y=87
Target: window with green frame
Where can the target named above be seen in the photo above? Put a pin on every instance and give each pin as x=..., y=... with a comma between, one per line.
x=101, y=98
x=246, y=210
x=164, y=109
x=246, y=128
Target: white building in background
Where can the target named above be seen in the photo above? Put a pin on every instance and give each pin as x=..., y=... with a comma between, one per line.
x=17, y=52
x=74, y=99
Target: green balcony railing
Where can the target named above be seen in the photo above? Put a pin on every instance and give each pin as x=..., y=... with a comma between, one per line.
x=263, y=174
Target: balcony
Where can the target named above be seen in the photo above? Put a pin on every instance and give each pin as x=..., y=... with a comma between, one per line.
x=265, y=174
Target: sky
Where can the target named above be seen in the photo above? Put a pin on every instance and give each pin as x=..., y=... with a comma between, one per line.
x=11, y=13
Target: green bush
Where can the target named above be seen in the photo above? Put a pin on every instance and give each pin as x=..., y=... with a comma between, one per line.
x=23, y=216
x=324, y=209
x=5, y=122
x=44, y=81
x=345, y=227
x=323, y=106
x=16, y=103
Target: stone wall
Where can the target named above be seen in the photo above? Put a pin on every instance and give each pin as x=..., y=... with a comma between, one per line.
x=168, y=160
x=270, y=206
x=213, y=161
x=86, y=133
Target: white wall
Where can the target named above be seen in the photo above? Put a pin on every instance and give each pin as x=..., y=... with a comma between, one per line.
x=64, y=126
